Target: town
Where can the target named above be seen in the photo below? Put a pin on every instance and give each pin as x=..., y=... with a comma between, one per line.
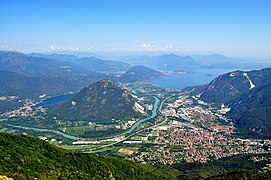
x=186, y=130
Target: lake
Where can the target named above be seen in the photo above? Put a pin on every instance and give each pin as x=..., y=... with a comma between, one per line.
x=54, y=100
x=196, y=76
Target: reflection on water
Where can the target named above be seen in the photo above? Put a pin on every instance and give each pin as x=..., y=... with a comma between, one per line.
x=196, y=76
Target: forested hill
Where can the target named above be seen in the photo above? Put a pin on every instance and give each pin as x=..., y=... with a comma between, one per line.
x=101, y=102
x=23, y=157
x=231, y=85
x=244, y=166
x=252, y=111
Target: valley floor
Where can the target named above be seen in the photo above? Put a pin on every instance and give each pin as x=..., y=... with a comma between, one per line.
x=181, y=128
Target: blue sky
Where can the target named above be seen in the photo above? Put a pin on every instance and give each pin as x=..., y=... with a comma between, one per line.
x=231, y=27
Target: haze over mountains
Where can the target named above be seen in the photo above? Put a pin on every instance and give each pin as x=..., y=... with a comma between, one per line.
x=89, y=63
x=70, y=73
x=135, y=90
x=35, y=74
x=100, y=100
x=179, y=62
x=165, y=61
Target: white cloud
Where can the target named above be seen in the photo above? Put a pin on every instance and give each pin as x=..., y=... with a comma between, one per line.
x=155, y=47
x=90, y=48
x=64, y=47
x=4, y=47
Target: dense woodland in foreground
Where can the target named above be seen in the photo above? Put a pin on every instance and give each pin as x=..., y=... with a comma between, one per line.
x=23, y=157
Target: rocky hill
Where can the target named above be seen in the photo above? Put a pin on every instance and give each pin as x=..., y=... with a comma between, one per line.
x=100, y=102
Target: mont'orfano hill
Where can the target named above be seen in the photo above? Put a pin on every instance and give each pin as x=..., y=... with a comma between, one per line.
x=99, y=102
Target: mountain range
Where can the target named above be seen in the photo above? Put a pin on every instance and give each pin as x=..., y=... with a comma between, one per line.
x=33, y=66
x=217, y=61
x=163, y=62
x=139, y=73
x=53, y=84
x=55, y=74
x=247, y=95
x=88, y=63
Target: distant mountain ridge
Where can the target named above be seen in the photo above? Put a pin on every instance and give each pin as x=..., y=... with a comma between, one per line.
x=217, y=61
x=101, y=102
x=96, y=64
x=88, y=63
x=139, y=73
x=28, y=65
x=61, y=57
x=54, y=84
x=164, y=61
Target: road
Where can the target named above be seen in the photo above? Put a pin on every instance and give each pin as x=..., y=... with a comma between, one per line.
x=137, y=132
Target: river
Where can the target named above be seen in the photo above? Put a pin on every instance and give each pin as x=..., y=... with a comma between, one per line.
x=60, y=98
x=134, y=126
x=47, y=130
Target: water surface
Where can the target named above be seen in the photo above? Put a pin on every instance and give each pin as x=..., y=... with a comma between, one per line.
x=54, y=100
x=195, y=77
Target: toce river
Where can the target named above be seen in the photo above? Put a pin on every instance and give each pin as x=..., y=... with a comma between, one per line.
x=65, y=97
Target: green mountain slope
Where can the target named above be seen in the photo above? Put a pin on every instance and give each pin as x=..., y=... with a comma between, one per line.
x=53, y=84
x=252, y=111
x=35, y=66
x=244, y=174
x=231, y=85
x=23, y=157
x=139, y=73
x=222, y=167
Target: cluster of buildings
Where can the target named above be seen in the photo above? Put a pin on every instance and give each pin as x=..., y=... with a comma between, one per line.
x=196, y=144
x=23, y=111
x=197, y=137
x=126, y=125
x=8, y=98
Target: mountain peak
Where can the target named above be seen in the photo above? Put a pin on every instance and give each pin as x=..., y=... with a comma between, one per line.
x=216, y=55
x=104, y=82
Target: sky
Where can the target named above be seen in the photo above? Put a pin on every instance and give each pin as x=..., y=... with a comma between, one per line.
x=231, y=27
